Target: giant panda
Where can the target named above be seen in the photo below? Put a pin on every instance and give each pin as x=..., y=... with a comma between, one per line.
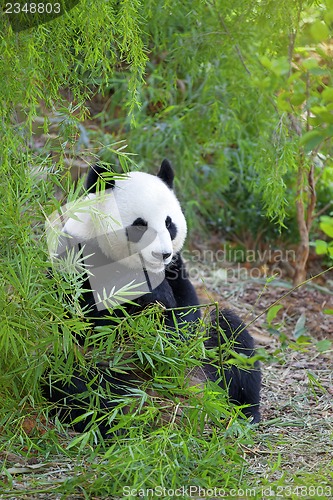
x=132, y=231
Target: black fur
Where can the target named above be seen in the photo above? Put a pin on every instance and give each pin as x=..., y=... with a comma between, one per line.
x=243, y=384
x=175, y=291
x=166, y=173
x=96, y=172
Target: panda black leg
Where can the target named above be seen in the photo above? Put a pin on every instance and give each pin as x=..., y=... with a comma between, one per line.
x=76, y=398
x=243, y=383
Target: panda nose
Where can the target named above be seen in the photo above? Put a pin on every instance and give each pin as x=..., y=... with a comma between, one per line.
x=159, y=256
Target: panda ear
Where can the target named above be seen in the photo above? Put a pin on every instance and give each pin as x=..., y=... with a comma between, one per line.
x=96, y=172
x=166, y=173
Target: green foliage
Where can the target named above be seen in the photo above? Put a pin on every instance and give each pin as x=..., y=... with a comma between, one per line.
x=213, y=96
x=324, y=247
x=225, y=110
x=301, y=82
x=66, y=52
x=166, y=458
x=272, y=313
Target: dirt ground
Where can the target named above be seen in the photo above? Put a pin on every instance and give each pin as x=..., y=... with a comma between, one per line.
x=296, y=400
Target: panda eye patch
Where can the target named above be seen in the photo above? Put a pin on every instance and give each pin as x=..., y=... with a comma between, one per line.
x=171, y=227
x=136, y=230
x=140, y=222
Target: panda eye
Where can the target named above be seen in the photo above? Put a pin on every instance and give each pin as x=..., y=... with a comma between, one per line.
x=136, y=230
x=140, y=222
x=171, y=227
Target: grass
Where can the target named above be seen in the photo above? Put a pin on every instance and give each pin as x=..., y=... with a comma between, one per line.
x=288, y=456
x=171, y=456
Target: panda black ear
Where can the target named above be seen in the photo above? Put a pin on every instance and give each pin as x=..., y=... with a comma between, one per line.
x=96, y=172
x=166, y=173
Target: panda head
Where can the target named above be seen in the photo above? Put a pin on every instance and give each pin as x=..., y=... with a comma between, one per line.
x=137, y=220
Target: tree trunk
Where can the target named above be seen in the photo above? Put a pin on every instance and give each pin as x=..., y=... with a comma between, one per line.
x=304, y=222
x=302, y=252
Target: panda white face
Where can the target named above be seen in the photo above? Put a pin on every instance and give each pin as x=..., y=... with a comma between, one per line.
x=138, y=221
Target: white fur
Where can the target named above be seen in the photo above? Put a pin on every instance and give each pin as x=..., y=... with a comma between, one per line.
x=106, y=216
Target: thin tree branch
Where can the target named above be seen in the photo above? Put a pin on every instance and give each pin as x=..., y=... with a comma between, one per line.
x=236, y=46
x=323, y=210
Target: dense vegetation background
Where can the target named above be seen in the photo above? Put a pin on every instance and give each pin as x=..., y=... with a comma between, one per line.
x=239, y=96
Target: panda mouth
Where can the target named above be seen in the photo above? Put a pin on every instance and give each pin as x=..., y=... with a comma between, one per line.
x=157, y=267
